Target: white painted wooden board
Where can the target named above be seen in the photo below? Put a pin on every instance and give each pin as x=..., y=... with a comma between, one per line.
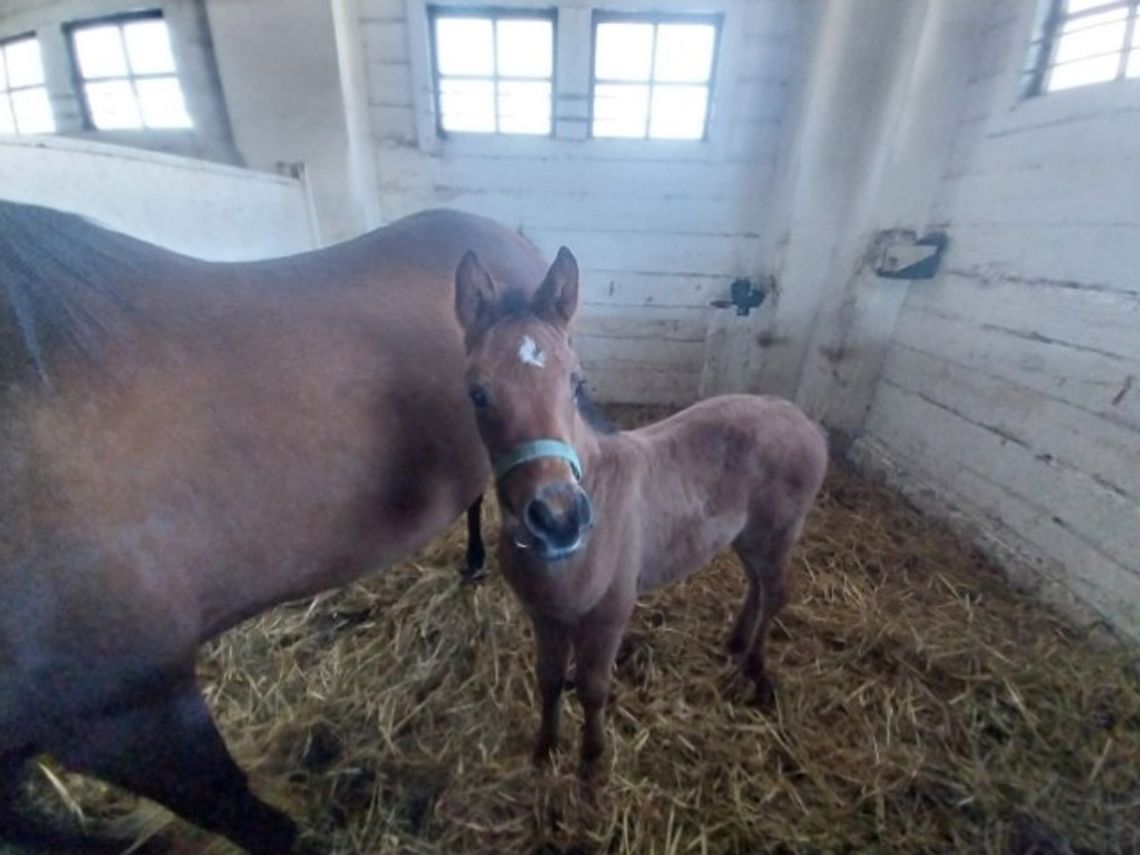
x=660, y=228
x=203, y=209
x=951, y=455
x=1012, y=389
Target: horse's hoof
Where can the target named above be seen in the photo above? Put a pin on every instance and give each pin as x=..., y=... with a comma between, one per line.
x=543, y=756
x=765, y=694
x=472, y=575
x=735, y=646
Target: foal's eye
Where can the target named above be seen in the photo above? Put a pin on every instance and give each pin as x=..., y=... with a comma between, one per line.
x=479, y=397
x=578, y=385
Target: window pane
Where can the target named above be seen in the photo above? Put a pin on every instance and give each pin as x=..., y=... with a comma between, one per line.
x=1096, y=70
x=7, y=123
x=1133, y=64
x=1108, y=38
x=24, y=65
x=3, y=75
x=113, y=105
x=684, y=53
x=467, y=105
x=148, y=47
x=526, y=48
x=1097, y=20
x=624, y=51
x=33, y=111
x=524, y=107
x=100, y=52
x=620, y=110
x=1074, y=6
x=162, y=103
x=678, y=112
x=463, y=46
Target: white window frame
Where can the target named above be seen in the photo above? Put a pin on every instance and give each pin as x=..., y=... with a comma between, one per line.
x=494, y=14
x=9, y=89
x=119, y=20
x=1043, y=49
x=603, y=16
x=573, y=69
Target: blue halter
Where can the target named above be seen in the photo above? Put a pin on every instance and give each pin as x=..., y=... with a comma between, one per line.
x=535, y=450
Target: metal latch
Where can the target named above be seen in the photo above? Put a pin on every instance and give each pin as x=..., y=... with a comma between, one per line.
x=744, y=296
x=902, y=256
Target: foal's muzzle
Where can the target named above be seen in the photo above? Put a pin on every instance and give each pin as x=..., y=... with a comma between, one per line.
x=557, y=519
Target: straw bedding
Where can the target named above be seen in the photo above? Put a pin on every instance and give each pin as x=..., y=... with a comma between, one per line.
x=923, y=705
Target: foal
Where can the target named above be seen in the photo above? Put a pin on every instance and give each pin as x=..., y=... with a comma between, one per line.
x=590, y=520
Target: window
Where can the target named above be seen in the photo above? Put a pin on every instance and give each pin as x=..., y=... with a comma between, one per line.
x=653, y=75
x=494, y=70
x=1083, y=42
x=24, y=104
x=127, y=72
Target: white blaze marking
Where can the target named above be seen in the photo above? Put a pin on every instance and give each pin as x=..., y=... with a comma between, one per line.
x=530, y=353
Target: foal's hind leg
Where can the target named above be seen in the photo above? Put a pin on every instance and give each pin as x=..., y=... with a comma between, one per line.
x=169, y=750
x=766, y=562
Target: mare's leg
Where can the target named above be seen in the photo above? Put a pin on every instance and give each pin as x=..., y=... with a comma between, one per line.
x=595, y=648
x=553, y=640
x=169, y=750
x=766, y=561
x=476, y=554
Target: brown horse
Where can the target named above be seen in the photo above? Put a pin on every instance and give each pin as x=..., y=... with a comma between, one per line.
x=184, y=444
x=590, y=520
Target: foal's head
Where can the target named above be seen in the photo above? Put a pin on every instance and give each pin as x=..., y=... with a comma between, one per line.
x=525, y=383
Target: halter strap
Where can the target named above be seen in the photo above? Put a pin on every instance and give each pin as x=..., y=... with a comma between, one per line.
x=534, y=450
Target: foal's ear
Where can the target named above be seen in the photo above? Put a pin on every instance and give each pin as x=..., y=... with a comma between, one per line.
x=557, y=297
x=475, y=296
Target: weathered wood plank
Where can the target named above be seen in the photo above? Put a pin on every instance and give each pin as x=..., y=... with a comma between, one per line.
x=1010, y=525
x=922, y=426
x=1054, y=432
x=1105, y=322
x=1102, y=385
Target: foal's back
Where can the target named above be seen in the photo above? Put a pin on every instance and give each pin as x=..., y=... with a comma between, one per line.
x=722, y=467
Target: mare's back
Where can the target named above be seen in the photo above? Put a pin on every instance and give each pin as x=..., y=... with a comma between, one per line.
x=299, y=419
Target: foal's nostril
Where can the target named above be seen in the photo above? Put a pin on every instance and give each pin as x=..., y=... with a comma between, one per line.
x=558, y=515
x=539, y=518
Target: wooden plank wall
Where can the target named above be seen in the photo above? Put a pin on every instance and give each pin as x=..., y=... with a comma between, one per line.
x=1012, y=387
x=660, y=229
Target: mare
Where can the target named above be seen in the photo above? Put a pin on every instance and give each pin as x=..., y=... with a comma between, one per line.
x=591, y=520
x=184, y=444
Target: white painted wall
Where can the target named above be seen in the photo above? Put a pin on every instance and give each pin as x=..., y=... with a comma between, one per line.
x=261, y=79
x=203, y=209
x=1010, y=397
x=660, y=228
x=279, y=70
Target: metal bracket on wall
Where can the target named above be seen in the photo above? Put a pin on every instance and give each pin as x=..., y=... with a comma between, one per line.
x=744, y=296
x=910, y=258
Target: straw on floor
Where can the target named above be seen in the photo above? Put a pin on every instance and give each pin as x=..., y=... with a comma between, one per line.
x=923, y=705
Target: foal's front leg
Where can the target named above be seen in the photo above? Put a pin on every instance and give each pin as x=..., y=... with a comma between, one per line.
x=595, y=648
x=553, y=640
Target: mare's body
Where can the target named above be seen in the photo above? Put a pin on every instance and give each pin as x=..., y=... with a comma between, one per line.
x=184, y=444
